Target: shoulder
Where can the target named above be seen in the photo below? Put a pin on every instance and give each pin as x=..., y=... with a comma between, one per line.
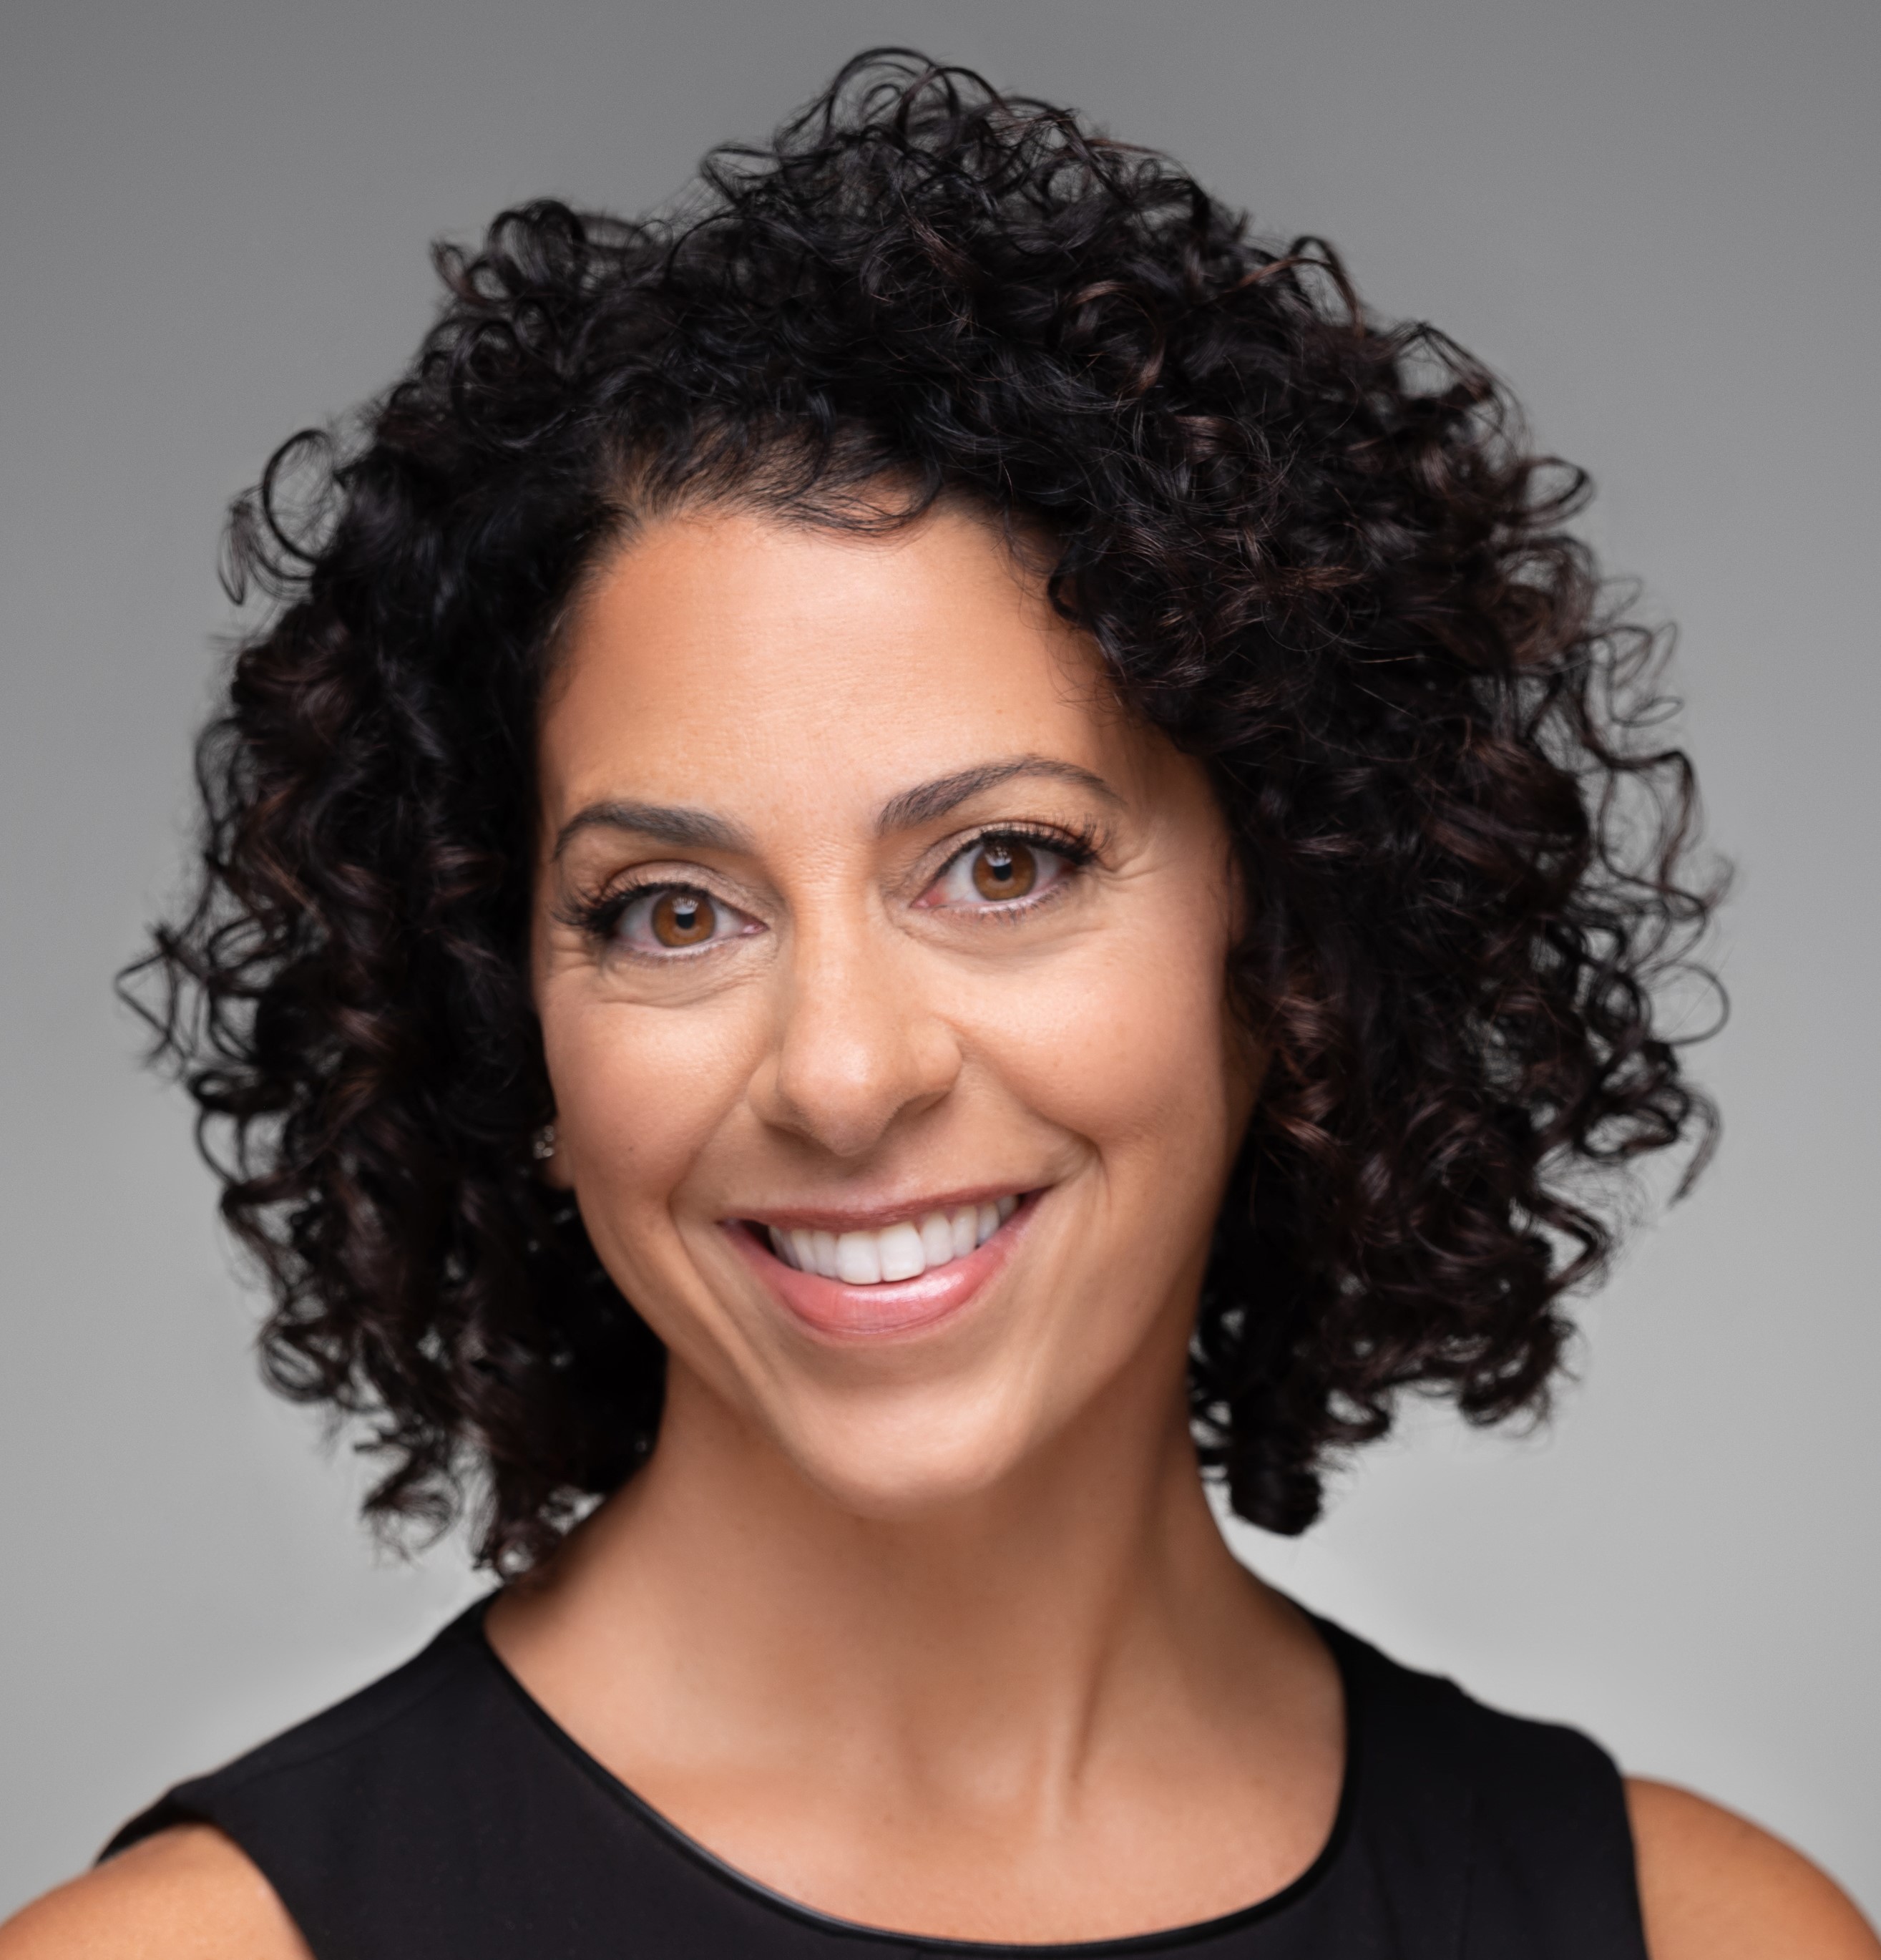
x=185, y=1894
x=1519, y=1776
x=236, y=1862
x=1710, y=1885
x=1713, y=1886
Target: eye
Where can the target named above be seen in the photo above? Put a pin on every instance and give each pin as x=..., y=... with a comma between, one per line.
x=999, y=870
x=1004, y=870
x=673, y=918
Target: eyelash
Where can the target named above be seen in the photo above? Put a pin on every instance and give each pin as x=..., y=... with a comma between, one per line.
x=1079, y=848
x=598, y=917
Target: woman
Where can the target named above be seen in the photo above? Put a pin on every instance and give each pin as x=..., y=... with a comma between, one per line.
x=908, y=864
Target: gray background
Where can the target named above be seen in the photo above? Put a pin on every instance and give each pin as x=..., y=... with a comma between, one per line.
x=1656, y=216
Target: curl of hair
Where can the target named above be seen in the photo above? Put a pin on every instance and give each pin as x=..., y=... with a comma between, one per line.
x=1312, y=547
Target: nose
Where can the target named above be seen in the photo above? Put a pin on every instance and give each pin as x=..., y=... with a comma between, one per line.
x=858, y=1045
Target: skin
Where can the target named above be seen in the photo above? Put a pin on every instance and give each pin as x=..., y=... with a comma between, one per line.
x=930, y=1628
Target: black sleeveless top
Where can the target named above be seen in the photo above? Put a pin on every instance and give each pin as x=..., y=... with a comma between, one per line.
x=441, y=1815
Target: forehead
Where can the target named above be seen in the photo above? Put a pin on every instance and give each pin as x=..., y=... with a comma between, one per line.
x=731, y=658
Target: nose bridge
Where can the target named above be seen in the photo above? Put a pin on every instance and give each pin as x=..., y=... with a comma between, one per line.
x=857, y=1042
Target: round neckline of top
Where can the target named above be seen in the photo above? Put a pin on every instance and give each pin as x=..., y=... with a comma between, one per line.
x=1193, y=1933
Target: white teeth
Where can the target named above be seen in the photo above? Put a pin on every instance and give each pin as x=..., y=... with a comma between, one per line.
x=901, y=1254
x=937, y=1238
x=902, y=1251
x=858, y=1260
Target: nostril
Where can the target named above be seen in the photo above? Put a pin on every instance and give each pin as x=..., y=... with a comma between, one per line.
x=855, y=1051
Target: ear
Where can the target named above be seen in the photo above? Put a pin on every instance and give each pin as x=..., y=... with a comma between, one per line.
x=1245, y=1058
x=551, y=1160
x=1246, y=1050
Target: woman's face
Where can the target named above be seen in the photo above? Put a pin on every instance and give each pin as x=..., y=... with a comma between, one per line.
x=880, y=963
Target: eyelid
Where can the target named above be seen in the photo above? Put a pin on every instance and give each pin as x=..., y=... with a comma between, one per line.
x=583, y=895
x=1076, y=852
x=1080, y=845
x=598, y=917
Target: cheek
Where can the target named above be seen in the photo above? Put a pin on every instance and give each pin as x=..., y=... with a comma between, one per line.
x=639, y=1093
x=1128, y=1047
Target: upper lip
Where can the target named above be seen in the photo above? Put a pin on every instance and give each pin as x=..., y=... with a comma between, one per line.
x=855, y=1217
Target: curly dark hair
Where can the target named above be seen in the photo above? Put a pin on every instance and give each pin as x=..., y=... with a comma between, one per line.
x=1314, y=548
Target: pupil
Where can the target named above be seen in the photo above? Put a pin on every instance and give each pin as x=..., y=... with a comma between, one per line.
x=682, y=919
x=1005, y=871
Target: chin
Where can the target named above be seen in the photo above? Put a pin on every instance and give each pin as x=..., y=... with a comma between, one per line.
x=898, y=1465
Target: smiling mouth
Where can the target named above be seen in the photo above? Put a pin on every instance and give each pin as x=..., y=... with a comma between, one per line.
x=893, y=1253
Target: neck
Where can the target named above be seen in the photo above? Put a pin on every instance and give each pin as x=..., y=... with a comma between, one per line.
x=1006, y=1634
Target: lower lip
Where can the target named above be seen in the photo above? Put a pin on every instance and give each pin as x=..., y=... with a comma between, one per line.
x=875, y=1312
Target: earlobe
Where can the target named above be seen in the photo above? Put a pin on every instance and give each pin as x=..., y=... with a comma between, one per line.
x=1249, y=1057
x=1246, y=1045
x=545, y=1149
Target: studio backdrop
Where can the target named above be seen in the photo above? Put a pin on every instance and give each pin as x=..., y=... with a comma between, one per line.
x=1657, y=216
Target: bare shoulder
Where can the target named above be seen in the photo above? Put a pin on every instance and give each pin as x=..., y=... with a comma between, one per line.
x=185, y=1894
x=1715, y=1886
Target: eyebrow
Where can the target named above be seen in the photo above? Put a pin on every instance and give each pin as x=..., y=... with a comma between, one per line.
x=685, y=829
x=926, y=801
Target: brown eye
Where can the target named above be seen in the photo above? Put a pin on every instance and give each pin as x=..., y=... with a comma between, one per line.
x=1004, y=868
x=683, y=918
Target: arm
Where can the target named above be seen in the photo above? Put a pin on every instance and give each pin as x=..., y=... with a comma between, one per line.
x=1715, y=1887
x=186, y=1894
